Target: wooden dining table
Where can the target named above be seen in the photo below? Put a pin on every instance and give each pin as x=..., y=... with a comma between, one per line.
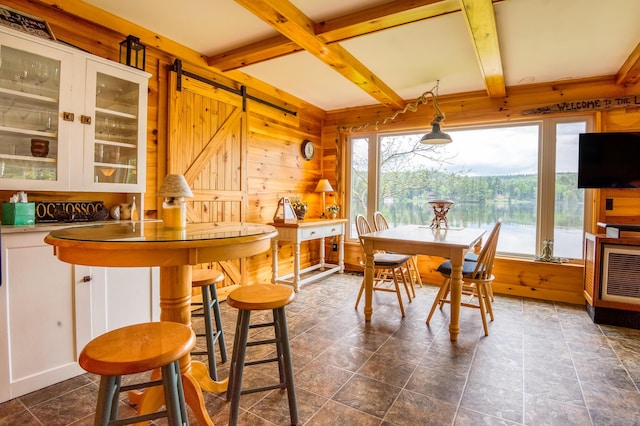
x=136, y=244
x=450, y=243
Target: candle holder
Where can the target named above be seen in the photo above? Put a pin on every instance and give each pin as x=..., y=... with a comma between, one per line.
x=174, y=189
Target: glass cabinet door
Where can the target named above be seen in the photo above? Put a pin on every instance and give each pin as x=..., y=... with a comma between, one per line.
x=30, y=148
x=119, y=101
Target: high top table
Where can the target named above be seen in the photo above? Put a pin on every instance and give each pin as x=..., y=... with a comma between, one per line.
x=174, y=251
x=450, y=243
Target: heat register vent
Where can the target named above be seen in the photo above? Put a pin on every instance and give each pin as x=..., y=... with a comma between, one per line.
x=621, y=274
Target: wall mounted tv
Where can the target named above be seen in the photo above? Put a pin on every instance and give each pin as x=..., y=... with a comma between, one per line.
x=609, y=160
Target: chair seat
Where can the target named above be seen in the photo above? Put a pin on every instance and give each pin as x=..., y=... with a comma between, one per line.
x=149, y=346
x=390, y=260
x=471, y=257
x=467, y=268
x=202, y=277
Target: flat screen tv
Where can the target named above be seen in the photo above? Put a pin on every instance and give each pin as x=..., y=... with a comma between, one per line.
x=609, y=160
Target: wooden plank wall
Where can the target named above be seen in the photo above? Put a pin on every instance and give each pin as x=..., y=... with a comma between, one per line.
x=275, y=165
x=514, y=276
x=276, y=168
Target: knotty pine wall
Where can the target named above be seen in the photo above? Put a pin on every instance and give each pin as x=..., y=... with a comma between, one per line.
x=276, y=168
x=513, y=276
x=275, y=165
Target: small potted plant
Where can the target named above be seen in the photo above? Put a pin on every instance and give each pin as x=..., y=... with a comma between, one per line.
x=300, y=207
x=333, y=210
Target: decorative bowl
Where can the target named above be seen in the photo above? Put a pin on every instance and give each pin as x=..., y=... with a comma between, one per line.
x=39, y=147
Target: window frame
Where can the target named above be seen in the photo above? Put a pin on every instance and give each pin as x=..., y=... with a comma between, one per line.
x=547, y=145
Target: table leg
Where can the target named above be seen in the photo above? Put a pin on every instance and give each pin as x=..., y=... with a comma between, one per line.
x=322, y=254
x=456, y=294
x=368, y=281
x=175, y=304
x=296, y=266
x=274, y=261
x=341, y=252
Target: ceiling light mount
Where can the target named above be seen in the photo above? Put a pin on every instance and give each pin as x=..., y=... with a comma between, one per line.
x=435, y=137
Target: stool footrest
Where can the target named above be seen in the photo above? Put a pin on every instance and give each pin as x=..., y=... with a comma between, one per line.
x=138, y=419
x=141, y=385
x=266, y=324
x=261, y=361
x=262, y=342
x=264, y=388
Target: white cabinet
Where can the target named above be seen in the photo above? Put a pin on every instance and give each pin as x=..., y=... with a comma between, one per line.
x=50, y=309
x=69, y=121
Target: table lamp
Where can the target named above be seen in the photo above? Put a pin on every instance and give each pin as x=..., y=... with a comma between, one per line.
x=323, y=186
x=174, y=189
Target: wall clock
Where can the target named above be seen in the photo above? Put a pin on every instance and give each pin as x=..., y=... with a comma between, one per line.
x=308, y=149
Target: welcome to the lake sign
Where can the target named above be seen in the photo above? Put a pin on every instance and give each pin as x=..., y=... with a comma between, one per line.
x=587, y=105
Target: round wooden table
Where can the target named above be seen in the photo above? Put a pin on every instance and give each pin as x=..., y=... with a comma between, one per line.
x=138, y=244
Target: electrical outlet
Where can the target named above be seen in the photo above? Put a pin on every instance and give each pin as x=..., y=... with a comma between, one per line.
x=335, y=247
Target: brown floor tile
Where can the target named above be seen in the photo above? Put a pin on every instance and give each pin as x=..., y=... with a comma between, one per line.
x=543, y=363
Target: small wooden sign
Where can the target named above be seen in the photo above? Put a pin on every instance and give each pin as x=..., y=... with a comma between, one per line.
x=26, y=23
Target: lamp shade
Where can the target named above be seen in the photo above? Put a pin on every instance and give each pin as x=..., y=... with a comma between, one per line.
x=175, y=186
x=324, y=186
x=436, y=137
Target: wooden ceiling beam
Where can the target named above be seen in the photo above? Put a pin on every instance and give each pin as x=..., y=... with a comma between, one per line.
x=381, y=17
x=297, y=27
x=629, y=73
x=481, y=21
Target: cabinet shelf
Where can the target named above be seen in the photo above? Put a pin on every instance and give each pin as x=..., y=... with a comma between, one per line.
x=116, y=113
x=29, y=96
x=26, y=158
x=28, y=132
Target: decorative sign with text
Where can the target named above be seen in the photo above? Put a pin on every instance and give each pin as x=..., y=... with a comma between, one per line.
x=25, y=23
x=588, y=105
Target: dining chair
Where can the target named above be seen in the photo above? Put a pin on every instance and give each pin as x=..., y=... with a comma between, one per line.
x=477, y=278
x=387, y=267
x=380, y=223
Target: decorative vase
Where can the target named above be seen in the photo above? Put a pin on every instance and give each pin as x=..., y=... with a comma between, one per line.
x=333, y=215
x=300, y=213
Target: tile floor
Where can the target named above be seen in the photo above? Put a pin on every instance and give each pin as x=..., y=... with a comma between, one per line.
x=543, y=364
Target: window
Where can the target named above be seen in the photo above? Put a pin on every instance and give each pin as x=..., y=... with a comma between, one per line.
x=524, y=174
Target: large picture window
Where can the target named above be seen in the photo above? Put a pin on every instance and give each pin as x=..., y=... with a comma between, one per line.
x=524, y=174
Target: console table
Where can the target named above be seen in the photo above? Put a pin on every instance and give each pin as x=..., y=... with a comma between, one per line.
x=311, y=229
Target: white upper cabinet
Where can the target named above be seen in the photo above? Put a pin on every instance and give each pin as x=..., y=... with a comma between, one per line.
x=69, y=121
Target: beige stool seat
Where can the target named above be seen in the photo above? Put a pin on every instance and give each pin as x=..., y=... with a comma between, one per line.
x=260, y=297
x=136, y=349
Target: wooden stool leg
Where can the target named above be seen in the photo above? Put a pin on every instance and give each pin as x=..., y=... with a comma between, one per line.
x=107, y=406
x=279, y=355
x=237, y=363
x=218, y=319
x=173, y=394
x=208, y=327
x=288, y=365
x=232, y=367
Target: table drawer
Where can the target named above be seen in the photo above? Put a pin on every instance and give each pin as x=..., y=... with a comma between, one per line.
x=311, y=233
x=330, y=230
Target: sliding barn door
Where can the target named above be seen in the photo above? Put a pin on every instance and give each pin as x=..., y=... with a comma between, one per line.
x=207, y=144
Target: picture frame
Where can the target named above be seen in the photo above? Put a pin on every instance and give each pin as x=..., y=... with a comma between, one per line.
x=25, y=23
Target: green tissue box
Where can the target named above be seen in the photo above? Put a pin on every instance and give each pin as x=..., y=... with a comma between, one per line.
x=18, y=213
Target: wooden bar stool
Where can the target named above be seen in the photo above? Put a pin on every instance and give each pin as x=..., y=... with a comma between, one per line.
x=136, y=349
x=254, y=298
x=206, y=280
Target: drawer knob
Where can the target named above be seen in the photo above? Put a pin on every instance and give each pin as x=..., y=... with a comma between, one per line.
x=86, y=279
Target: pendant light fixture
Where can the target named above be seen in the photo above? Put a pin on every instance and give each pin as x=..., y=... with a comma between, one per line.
x=435, y=137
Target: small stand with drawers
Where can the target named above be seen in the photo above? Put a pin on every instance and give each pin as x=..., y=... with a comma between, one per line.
x=307, y=230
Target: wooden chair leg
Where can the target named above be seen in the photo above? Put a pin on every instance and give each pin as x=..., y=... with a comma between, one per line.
x=414, y=263
x=483, y=315
x=395, y=282
x=360, y=293
x=404, y=282
x=438, y=298
x=488, y=300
